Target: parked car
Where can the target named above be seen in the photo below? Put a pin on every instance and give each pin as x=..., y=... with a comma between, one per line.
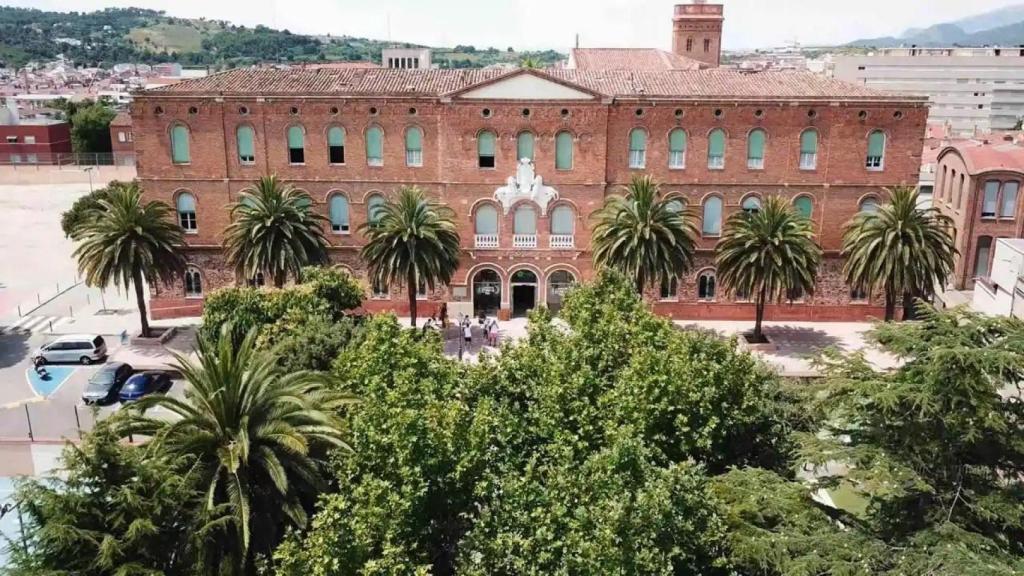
x=143, y=384
x=84, y=348
x=106, y=383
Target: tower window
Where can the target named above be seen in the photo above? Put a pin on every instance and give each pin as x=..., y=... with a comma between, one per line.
x=689, y=44
x=707, y=45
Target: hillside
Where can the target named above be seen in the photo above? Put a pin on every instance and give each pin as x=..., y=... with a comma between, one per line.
x=1004, y=26
x=114, y=35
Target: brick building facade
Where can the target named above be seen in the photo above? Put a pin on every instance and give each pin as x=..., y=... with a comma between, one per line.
x=978, y=185
x=718, y=140
x=33, y=141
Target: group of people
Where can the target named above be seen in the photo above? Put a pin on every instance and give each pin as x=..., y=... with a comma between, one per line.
x=465, y=325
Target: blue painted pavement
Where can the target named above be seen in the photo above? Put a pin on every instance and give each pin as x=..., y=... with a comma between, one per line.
x=56, y=376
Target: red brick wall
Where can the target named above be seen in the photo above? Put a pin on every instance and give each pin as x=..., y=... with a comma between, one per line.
x=600, y=167
x=51, y=140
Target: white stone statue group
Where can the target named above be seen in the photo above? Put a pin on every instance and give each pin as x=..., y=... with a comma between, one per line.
x=525, y=185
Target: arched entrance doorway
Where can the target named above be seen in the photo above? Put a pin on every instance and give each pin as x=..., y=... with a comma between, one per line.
x=486, y=292
x=524, y=292
x=559, y=282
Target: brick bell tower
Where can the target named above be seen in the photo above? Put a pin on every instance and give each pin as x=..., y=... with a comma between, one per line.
x=697, y=31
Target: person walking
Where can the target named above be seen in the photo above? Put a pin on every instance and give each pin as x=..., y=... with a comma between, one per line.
x=467, y=334
x=492, y=332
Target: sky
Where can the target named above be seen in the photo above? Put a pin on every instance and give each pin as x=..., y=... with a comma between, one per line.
x=543, y=24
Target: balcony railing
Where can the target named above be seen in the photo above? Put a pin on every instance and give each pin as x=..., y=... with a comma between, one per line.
x=562, y=241
x=485, y=241
x=524, y=240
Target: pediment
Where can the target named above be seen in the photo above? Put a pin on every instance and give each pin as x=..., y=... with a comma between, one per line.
x=525, y=86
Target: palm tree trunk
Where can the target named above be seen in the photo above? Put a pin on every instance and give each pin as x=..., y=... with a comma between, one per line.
x=890, y=305
x=140, y=299
x=640, y=285
x=908, y=306
x=279, y=281
x=413, y=285
x=759, y=314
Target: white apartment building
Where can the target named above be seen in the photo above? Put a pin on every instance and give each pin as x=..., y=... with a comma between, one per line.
x=972, y=90
x=1003, y=293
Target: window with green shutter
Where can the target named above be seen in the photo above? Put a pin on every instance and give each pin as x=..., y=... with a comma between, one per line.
x=485, y=146
x=296, y=145
x=375, y=146
x=809, y=150
x=755, y=149
x=876, y=151
x=336, y=145
x=637, y=148
x=563, y=151
x=414, y=147
x=246, y=145
x=562, y=220
x=804, y=206
x=179, y=145
x=716, y=149
x=677, y=149
x=524, y=146
x=339, y=214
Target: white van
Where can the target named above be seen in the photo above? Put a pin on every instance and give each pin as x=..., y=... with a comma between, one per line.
x=83, y=348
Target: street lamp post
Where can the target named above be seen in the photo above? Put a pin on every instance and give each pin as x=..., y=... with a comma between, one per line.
x=88, y=170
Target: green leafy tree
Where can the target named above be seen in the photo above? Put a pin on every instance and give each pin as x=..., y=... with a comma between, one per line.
x=110, y=509
x=768, y=254
x=85, y=208
x=645, y=236
x=258, y=438
x=90, y=128
x=411, y=240
x=274, y=231
x=935, y=446
x=901, y=249
x=132, y=242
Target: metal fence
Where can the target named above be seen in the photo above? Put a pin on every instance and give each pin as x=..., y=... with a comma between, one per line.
x=69, y=159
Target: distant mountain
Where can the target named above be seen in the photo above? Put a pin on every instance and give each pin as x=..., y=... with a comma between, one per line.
x=115, y=35
x=1003, y=26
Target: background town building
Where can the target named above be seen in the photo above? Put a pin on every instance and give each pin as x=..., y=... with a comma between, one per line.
x=1002, y=293
x=406, y=58
x=36, y=140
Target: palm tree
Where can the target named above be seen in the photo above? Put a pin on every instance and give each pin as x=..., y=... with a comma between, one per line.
x=131, y=243
x=768, y=254
x=530, y=63
x=412, y=240
x=256, y=440
x=274, y=231
x=644, y=236
x=900, y=249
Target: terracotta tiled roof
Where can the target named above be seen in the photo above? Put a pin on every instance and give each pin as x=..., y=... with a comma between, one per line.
x=637, y=59
x=122, y=119
x=682, y=84
x=981, y=156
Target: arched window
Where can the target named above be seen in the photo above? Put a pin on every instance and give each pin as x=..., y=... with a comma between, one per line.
x=524, y=146
x=716, y=149
x=869, y=204
x=637, y=148
x=485, y=149
x=246, y=139
x=990, y=200
x=752, y=204
x=563, y=151
x=755, y=149
x=981, y=256
x=876, y=151
x=193, y=283
x=336, y=145
x=804, y=206
x=809, y=149
x=339, y=214
x=374, y=204
x=677, y=149
x=711, y=224
x=374, y=146
x=414, y=146
x=186, y=205
x=525, y=220
x=296, y=145
x=486, y=220
x=180, y=145
x=1008, y=207
x=676, y=205
x=706, y=286
x=562, y=220
x=670, y=289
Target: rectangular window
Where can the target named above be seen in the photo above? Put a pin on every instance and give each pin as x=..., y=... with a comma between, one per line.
x=707, y=45
x=246, y=146
x=876, y=151
x=808, y=150
x=689, y=44
x=336, y=145
x=130, y=137
x=716, y=150
x=32, y=159
x=563, y=151
x=30, y=139
x=677, y=149
x=485, y=150
x=12, y=139
x=1008, y=209
x=755, y=150
x=296, y=146
x=414, y=147
x=637, y=148
x=121, y=137
x=988, y=206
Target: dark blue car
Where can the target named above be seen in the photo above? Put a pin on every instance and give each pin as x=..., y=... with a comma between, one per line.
x=143, y=384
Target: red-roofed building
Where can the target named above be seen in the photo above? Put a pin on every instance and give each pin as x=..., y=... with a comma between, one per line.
x=122, y=141
x=977, y=184
x=524, y=158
